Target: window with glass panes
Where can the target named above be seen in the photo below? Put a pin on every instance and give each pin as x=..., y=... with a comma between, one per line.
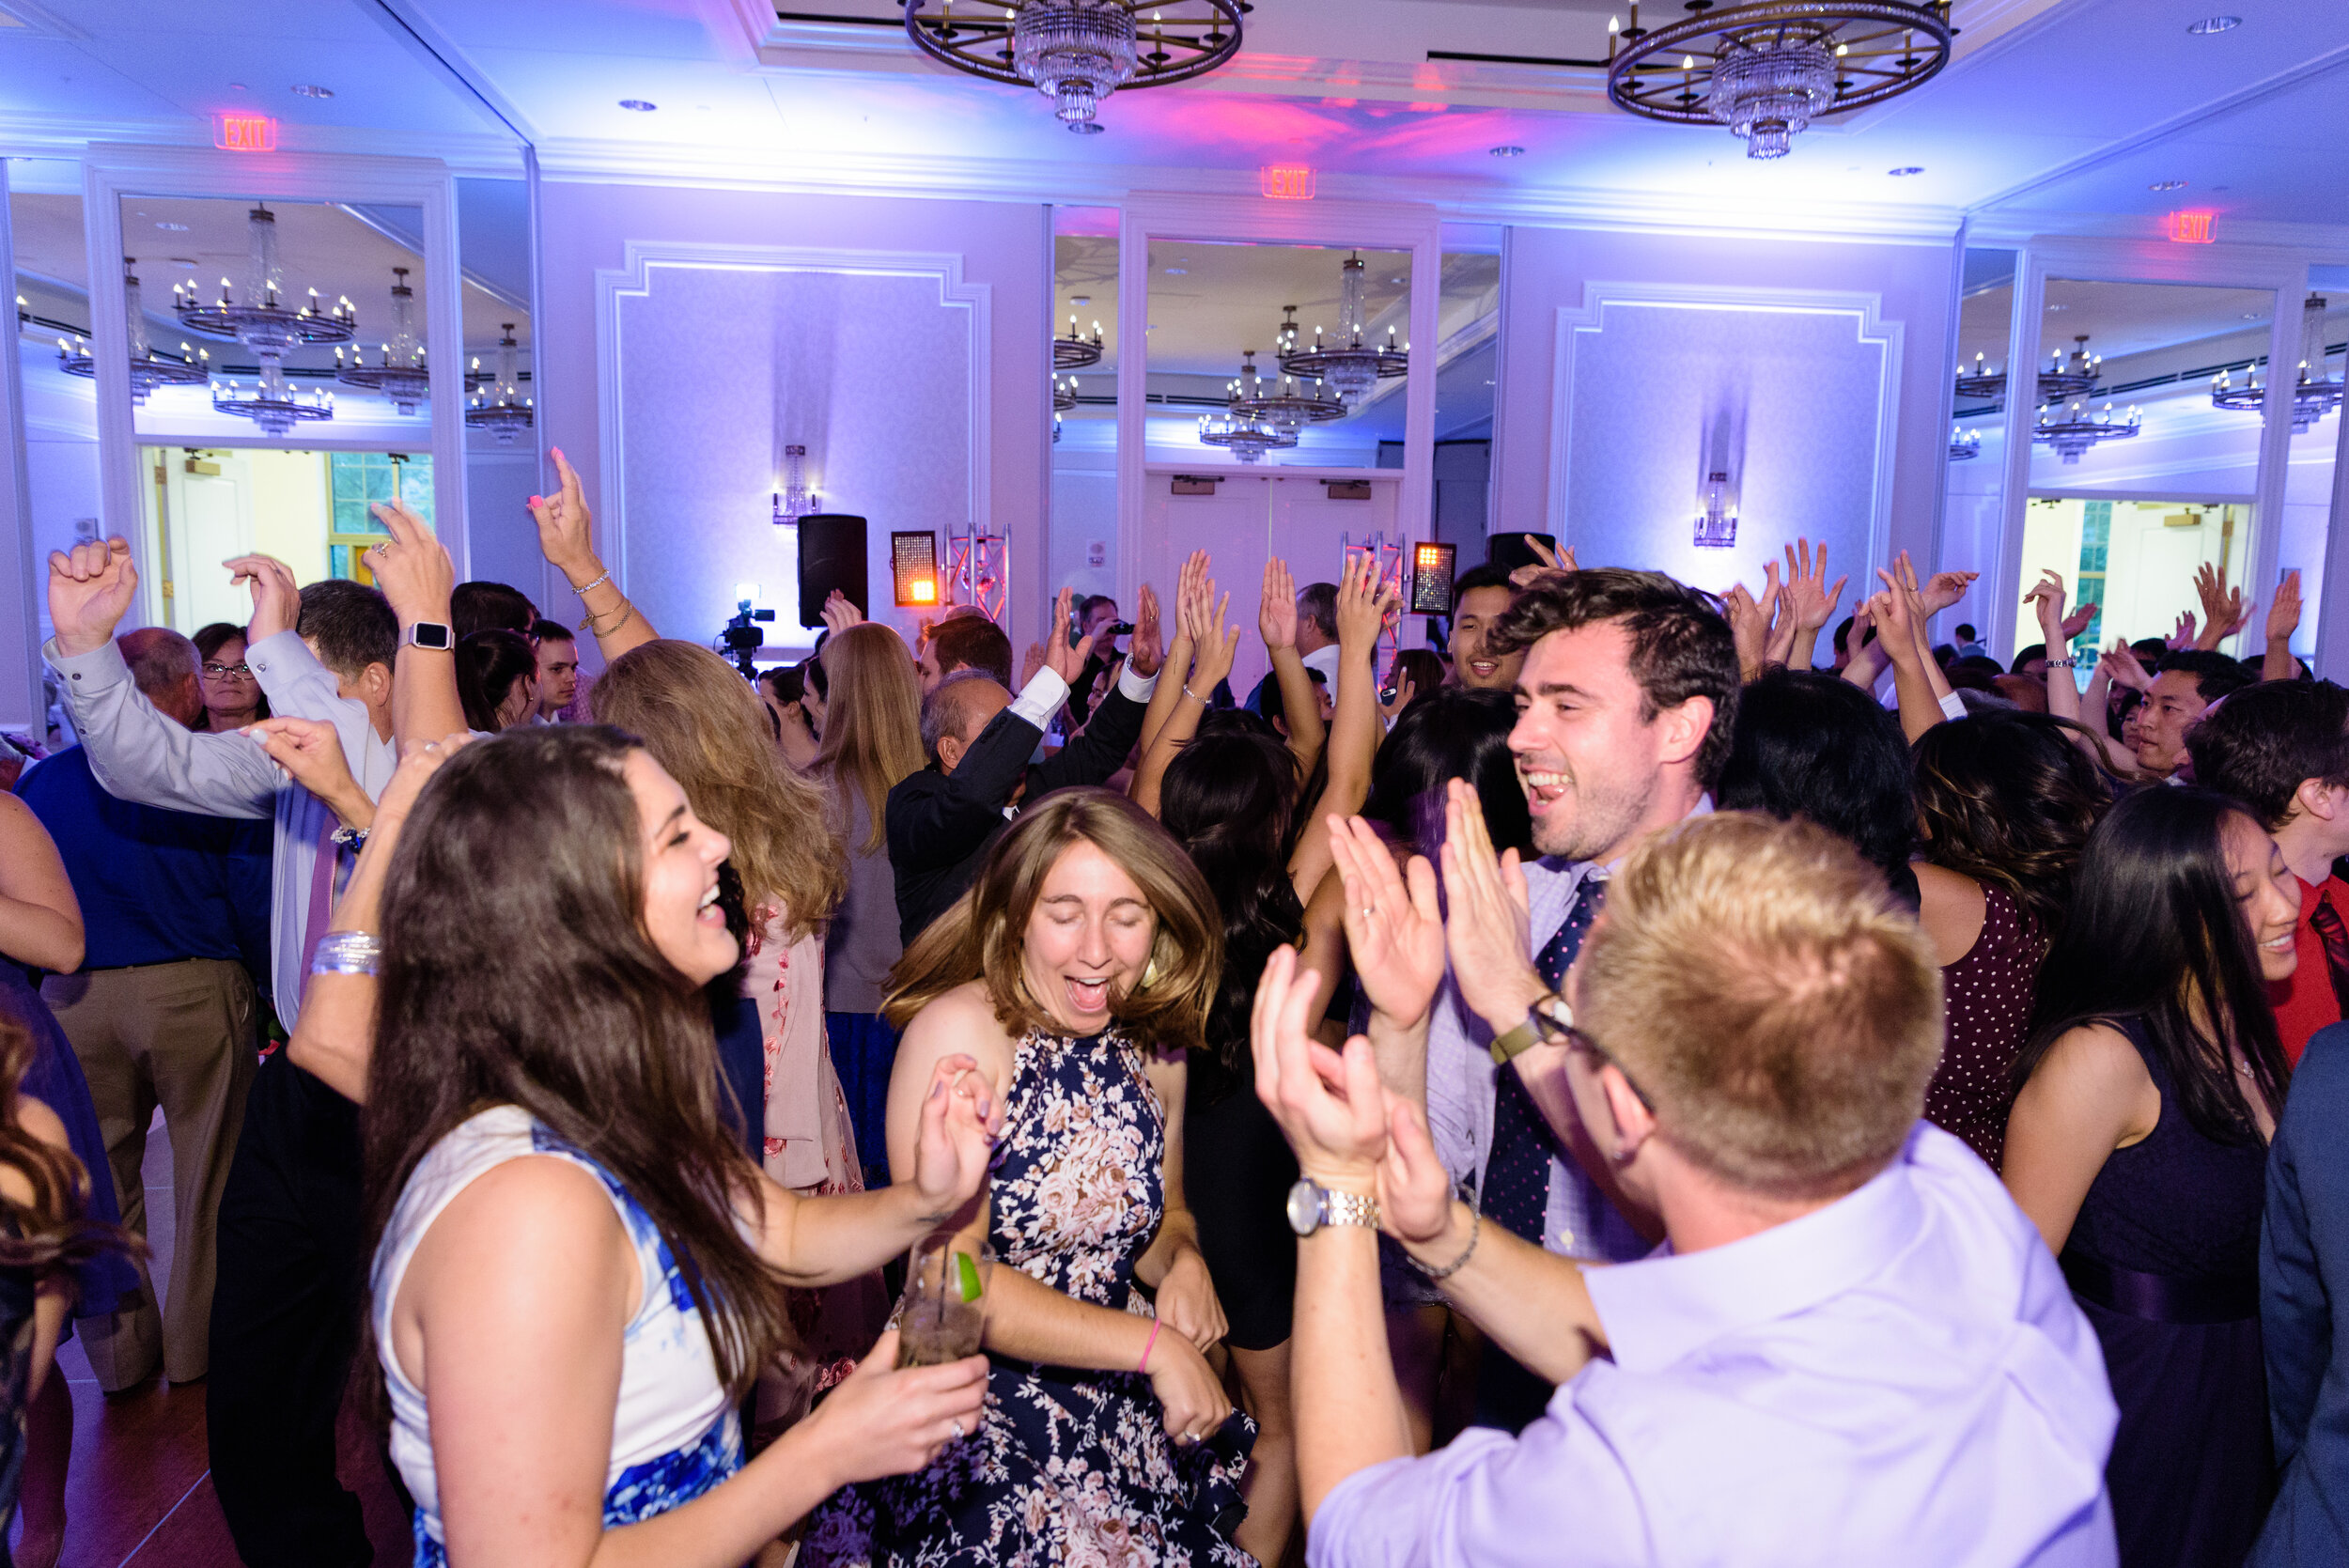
x=356, y=481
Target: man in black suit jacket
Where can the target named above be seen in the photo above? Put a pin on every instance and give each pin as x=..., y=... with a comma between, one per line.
x=2304, y=1274
x=943, y=820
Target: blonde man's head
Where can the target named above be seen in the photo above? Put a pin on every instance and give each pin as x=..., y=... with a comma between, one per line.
x=1757, y=982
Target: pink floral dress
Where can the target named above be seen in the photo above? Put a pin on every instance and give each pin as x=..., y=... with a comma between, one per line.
x=810, y=1147
x=1068, y=1467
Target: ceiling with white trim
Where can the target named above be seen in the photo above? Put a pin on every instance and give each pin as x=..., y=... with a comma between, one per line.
x=2058, y=114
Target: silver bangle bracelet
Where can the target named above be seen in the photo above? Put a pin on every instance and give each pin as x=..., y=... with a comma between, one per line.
x=347, y=952
x=1476, y=1228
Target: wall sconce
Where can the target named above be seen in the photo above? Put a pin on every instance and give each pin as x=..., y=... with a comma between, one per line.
x=1717, y=525
x=795, y=500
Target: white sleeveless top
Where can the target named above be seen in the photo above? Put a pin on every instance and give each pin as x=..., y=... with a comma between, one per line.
x=673, y=1433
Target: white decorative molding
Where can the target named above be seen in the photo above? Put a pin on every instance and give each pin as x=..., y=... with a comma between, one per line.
x=1870, y=330
x=633, y=280
x=113, y=172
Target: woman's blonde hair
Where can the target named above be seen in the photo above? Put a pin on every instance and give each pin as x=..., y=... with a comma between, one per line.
x=1758, y=982
x=872, y=723
x=702, y=723
x=983, y=936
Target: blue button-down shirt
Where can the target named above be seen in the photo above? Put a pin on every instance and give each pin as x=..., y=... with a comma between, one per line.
x=1900, y=1376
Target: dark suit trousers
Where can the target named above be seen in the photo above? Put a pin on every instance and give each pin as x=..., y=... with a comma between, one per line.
x=285, y=1323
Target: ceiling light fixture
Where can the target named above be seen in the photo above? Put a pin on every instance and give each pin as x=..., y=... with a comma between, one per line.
x=1078, y=51
x=306, y=89
x=2313, y=396
x=2072, y=431
x=262, y=323
x=1506, y=151
x=402, y=377
x=499, y=406
x=2210, y=24
x=2166, y=185
x=1965, y=445
x=1767, y=70
x=1906, y=171
x=1291, y=404
x=639, y=105
x=1075, y=351
x=1349, y=364
x=149, y=370
x=2063, y=377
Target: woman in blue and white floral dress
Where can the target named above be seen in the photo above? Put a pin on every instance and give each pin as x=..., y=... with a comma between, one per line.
x=578, y=1270
x=1076, y=972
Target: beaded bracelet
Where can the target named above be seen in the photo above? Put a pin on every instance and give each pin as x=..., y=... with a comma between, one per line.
x=1476, y=1228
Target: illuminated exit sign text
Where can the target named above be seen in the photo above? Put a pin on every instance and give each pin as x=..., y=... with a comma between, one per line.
x=244, y=132
x=1286, y=182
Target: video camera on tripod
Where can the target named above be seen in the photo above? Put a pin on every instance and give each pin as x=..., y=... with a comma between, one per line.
x=741, y=639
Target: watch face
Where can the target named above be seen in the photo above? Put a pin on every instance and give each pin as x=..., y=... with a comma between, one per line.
x=1305, y=1208
x=429, y=634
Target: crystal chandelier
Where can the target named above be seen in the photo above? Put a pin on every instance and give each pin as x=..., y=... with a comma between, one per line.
x=149, y=370
x=1078, y=51
x=1075, y=351
x=1246, y=439
x=795, y=500
x=2072, y=431
x=271, y=404
x=1766, y=70
x=1351, y=366
x=401, y=377
x=2065, y=377
x=2313, y=396
x=1965, y=445
x=1290, y=405
x=497, y=405
x=263, y=323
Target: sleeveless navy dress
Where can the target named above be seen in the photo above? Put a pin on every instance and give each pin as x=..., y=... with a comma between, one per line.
x=2163, y=1261
x=1068, y=1464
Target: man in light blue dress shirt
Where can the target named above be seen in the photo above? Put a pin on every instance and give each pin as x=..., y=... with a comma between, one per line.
x=1851, y=1349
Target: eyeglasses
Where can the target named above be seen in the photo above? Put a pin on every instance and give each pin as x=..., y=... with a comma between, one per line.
x=1575, y=1039
x=225, y=672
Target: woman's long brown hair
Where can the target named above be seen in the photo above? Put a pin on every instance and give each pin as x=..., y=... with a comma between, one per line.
x=53, y=1230
x=517, y=972
x=872, y=723
x=984, y=935
x=702, y=723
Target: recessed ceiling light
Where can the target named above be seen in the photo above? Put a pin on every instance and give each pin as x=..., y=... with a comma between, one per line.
x=640, y=105
x=1905, y=173
x=1506, y=151
x=2168, y=185
x=2210, y=24
x=171, y=228
x=2058, y=307
x=1178, y=271
x=2250, y=316
x=306, y=89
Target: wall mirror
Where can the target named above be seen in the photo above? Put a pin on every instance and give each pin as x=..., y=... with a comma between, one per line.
x=53, y=317
x=1083, y=547
x=2147, y=446
x=1973, y=506
x=502, y=439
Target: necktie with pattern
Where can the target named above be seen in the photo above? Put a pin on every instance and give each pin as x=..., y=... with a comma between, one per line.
x=1516, y=1172
x=2330, y=929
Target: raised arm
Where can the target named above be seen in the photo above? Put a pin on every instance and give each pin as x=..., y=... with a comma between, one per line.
x=2284, y=619
x=2225, y=610
x=1178, y=656
x=1363, y=605
x=567, y=538
x=1213, y=645
x=416, y=575
x=1900, y=616
x=1812, y=603
x=41, y=920
x=1276, y=622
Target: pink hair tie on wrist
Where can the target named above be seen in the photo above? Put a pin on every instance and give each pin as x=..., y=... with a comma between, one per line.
x=1152, y=1343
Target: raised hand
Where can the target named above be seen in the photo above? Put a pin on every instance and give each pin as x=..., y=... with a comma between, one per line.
x=2076, y=622
x=310, y=752
x=1147, y=650
x=90, y=589
x=1276, y=614
x=1807, y=594
x=1486, y=928
x=2283, y=616
x=1059, y=658
x=2121, y=660
x=1404, y=691
x=957, y=1136
x=1215, y=642
x=1328, y=1103
x=1414, y=1188
x=1551, y=561
x=408, y=781
x=1394, y=926
x=1031, y=662
x=276, y=596
x=565, y=528
x=1749, y=627
x=2048, y=596
x=1942, y=589
x=840, y=612
x=2183, y=635
x=413, y=568
x=1363, y=605
x=2225, y=609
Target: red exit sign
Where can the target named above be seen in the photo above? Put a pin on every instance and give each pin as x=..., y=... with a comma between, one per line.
x=1286, y=182
x=2191, y=228
x=244, y=132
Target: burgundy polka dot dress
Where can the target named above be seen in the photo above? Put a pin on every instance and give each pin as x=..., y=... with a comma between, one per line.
x=1987, y=998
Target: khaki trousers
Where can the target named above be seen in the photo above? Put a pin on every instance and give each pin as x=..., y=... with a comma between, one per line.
x=181, y=1037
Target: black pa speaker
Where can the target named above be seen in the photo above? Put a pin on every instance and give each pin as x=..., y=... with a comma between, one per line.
x=832, y=555
x=1509, y=550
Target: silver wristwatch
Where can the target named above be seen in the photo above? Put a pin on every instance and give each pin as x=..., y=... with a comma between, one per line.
x=1312, y=1207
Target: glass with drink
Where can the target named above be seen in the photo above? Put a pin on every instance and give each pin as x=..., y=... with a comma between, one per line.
x=942, y=1316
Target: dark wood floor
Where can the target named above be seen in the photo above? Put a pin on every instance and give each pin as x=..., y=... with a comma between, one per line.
x=139, y=1490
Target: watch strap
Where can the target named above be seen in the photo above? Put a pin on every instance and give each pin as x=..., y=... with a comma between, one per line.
x=1348, y=1208
x=1508, y=1046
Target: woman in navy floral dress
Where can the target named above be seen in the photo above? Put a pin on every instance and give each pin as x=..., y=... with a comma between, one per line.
x=1077, y=972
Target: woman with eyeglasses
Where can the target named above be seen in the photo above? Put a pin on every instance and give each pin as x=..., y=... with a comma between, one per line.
x=232, y=698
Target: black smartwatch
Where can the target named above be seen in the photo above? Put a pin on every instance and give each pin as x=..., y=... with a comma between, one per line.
x=434, y=635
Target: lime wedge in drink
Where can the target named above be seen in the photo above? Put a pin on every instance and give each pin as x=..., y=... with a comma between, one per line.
x=966, y=1277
